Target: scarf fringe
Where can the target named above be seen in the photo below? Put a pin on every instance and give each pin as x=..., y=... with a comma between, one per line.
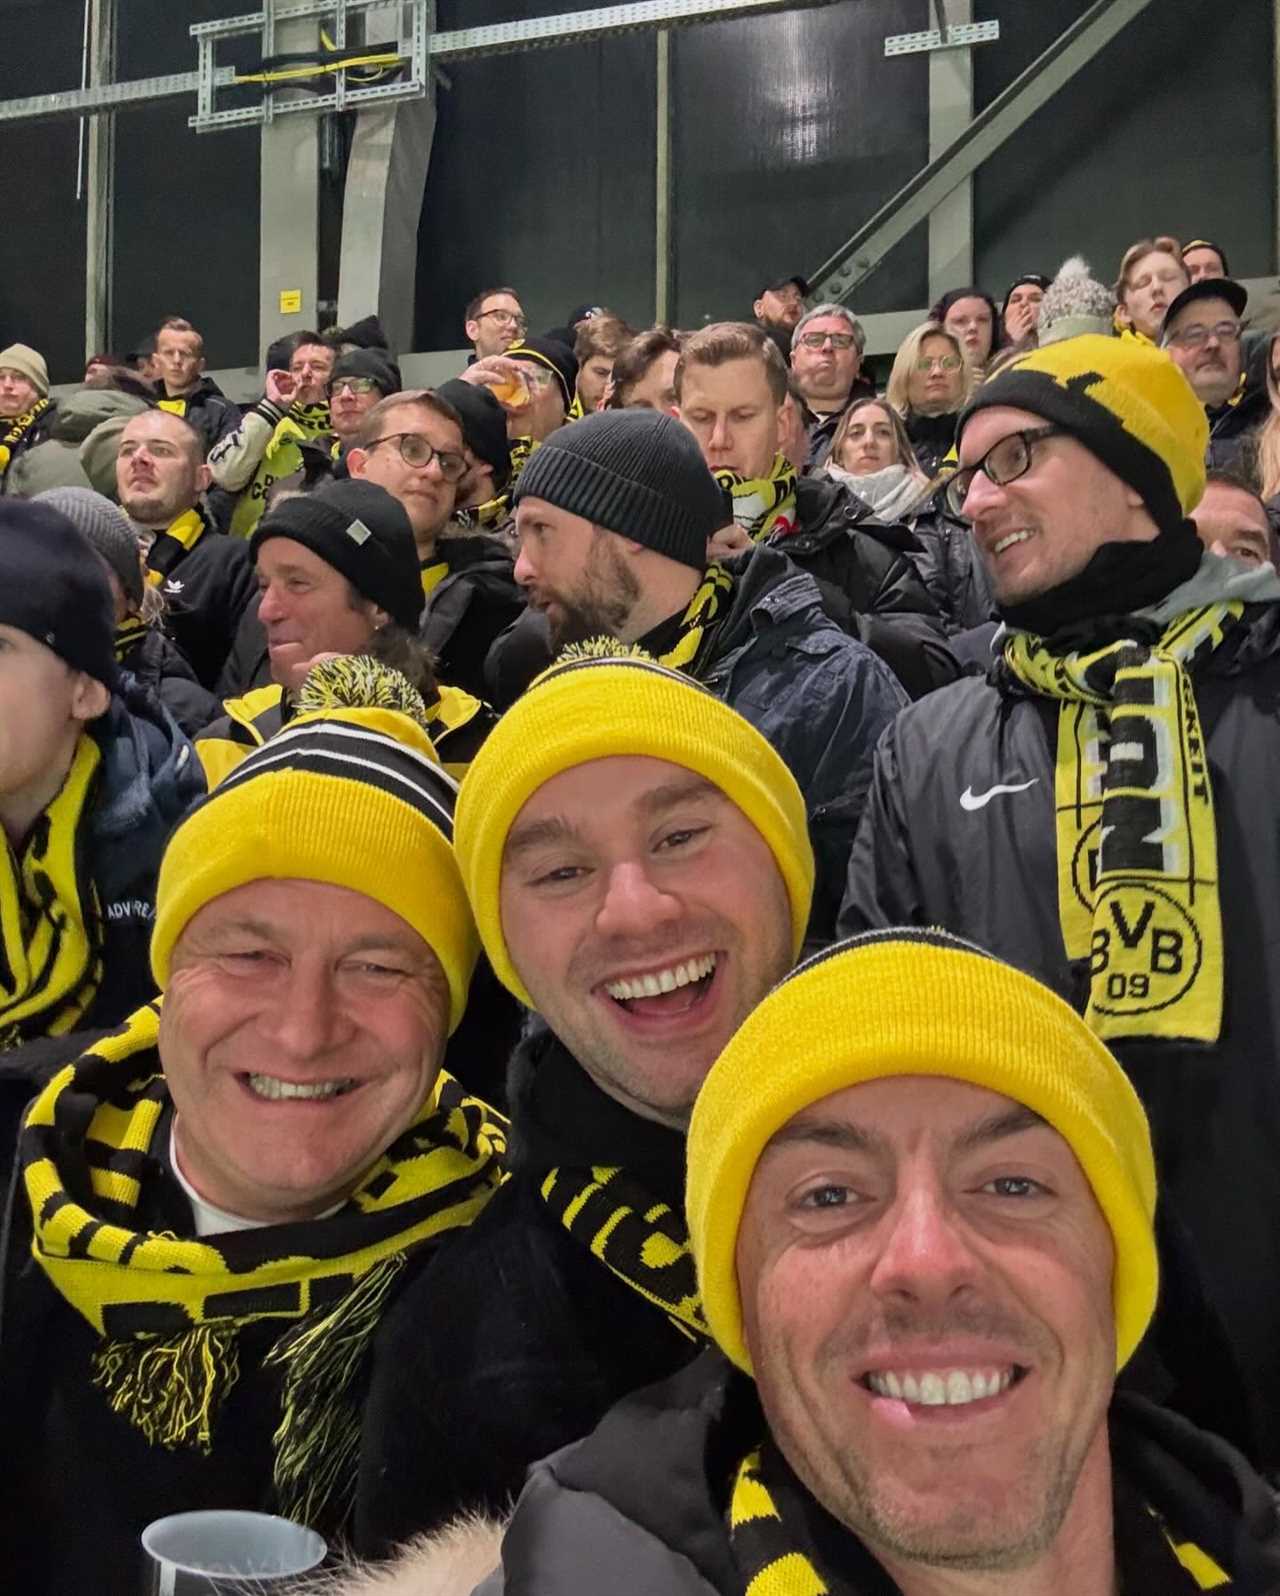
x=318, y=1439
x=172, y=1391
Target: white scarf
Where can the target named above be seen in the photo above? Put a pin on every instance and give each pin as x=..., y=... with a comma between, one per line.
x=890, y=492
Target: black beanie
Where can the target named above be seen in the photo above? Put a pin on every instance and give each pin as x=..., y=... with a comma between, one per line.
x=54, y=587
x=552, y=354
x=636, y=472
x=484, y=425
x=374, y=363
x=360, y=530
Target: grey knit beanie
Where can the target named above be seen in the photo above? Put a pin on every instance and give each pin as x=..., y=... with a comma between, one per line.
x=634, y=472
x=107, y=528
x=1075, y=302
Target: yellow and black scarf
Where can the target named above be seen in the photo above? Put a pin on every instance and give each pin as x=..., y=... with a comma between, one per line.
x=699, y=621
x=643, y=1240
x=169, y=546
x=520, y=450
x=50, y=923
x=773, y=1561
x=18, y=429
x=492, y=513
x=169, y=1309
x=432, y=575
x=130, y=632
x=281, y=458
x=1137, y=843
x=763, y=506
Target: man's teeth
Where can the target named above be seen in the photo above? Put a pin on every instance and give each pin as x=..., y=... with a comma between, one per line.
x=270, y=1087
x=943, y=1388
x=1008, y=542
x=656, y=982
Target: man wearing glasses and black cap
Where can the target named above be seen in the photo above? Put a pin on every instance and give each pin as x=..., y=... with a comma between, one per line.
x=1204, y=336
x=779, y=307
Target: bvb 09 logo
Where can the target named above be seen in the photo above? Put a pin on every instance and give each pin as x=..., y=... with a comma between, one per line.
x=1145, y=951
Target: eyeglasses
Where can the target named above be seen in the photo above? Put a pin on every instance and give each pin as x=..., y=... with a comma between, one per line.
x=815, y=340
x=416, y=451
x=1003, y=463
x=352, y=385
x=508, y=316
x=1226, y=332
x=938, y=362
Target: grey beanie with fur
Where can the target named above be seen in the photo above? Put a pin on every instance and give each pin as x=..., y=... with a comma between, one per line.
x=1075, y=302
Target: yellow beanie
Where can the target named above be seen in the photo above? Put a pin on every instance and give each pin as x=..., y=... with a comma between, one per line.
x=598, y=706
x=917, y=1003
x=1126, y=401
x=354, y=798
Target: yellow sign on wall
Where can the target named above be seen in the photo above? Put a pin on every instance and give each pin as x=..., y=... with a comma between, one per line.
x=290, y=301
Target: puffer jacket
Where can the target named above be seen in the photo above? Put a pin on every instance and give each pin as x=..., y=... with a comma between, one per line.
x=641, y=1506
x=470, y=606
x=959, y=832
x=158, y=664
x=868, y=584
x=932, y=438
x=950, y=567
x=56, y=462
x=207, y=592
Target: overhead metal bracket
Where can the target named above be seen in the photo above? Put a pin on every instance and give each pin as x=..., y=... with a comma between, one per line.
x=958, y=37
x=855, y=259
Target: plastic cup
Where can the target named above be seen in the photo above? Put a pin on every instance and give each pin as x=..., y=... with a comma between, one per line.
x=226, y=1553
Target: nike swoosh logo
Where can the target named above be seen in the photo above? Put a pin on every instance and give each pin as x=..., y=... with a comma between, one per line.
x=970, y=800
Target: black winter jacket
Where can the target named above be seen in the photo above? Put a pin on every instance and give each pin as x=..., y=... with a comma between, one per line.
x=208, y=410
x=641, y=1506
x=822, y=429
x=950, y=567
x=514, y=1340
x=470, y=607
x=932, y=438
x=1232, y=430
x=207, y=593
x=959, y=832
x=158, y=664
x=868, y=584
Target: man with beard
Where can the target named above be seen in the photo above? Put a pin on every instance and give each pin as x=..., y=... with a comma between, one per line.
x=205, y=576
x=614, y=515
x=779, y=307
x=921, y=1199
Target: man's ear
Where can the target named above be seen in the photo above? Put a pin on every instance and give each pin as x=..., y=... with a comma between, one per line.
x=472, y=330
x=757, y=310
x=357, y=460
x=204, y=478
x=89, y=697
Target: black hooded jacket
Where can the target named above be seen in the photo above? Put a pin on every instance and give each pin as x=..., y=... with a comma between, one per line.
x=514, y=1340
x=959, y=832
x=207, y=591
x=641, y=1506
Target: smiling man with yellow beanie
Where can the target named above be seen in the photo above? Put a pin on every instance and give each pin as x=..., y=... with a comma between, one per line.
x=921, y=1198
x=216, y=1201
x=639, y=865
x=1090, y=808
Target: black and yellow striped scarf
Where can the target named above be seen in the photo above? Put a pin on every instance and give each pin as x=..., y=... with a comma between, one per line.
x=129, y=633
x=520, y=450
x=50, y=923
x=432, y=575
x=493, y=512
x=17, y=432
x=700, y=619
x=644, y=1241
x=282, y=457
x=763, y=506
x=1137, y=842
x=773, y=1559
x=169, y=1309
x=169, y=546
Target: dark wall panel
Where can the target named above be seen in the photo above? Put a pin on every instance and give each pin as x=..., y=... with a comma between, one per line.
x=1170, y=129
x=541, y=176
x=42, y=279
x=790, y=131
x=186, y=219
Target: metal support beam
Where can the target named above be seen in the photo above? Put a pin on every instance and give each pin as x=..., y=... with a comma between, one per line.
x=857, y=257
x=950, y=112
x=99, y=179
x=382, y=209
x=290, y=206
x=664, y=197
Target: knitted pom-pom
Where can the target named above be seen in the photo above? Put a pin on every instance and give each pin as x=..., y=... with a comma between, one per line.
x=602, y=648
x=354, y=681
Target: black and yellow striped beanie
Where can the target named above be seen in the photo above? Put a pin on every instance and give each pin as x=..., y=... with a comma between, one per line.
x=353, y=797
x=600, y=701
x=917, y=1003
x=1126, y=402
